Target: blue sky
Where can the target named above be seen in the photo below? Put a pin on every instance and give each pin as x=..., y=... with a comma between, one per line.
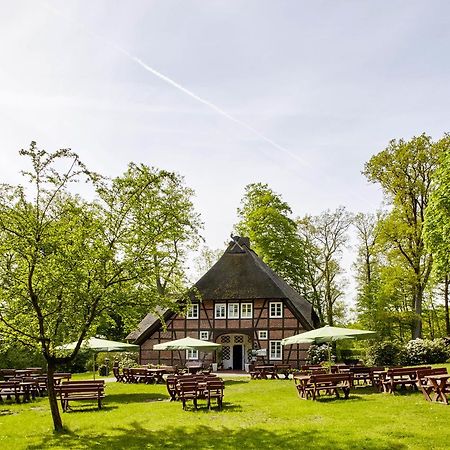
x=330, y=81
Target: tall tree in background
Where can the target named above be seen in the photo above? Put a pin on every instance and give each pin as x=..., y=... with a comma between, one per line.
x=437, y=220
x=265, y=219
x=326, y=236
x=367, y=268
x=66, y=262
x=404, y=170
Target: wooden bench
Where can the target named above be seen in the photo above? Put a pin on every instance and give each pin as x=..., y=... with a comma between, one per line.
x=425, y=385
x=282, y=369
x=214, y=390
x=403, y=376
x=330, y=383
x=360, y=375
x=194, y=388
x=9, y=389
x=81, y=391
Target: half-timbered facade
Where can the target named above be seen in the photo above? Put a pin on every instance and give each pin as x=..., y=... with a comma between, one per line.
x=245, y=306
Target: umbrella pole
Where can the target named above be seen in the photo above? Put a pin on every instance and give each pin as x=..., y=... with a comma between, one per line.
x=93, y=364
x=329, y=356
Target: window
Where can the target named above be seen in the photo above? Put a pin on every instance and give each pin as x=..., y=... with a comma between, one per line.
x=233, y=311
x=220, y=311
x=192, y=312
x=204, y=335
x=262, y=335
x=276, y=351
x=276, y=309
x=246, y=310
x=191, y=354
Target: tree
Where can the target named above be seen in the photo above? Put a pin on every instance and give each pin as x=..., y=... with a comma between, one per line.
x=265, y=219
x=437, y=218
x=404, y=170
x=204, y=260
x=367, y=268
x=326, y=236
x=66, y=262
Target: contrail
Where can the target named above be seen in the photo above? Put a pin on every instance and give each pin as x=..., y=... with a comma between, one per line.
x=181, y=88
x=207, y=103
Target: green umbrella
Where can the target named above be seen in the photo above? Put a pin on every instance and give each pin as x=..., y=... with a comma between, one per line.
x=188, y=343
x=102, y=345
x=326, y=334
x=98, y=345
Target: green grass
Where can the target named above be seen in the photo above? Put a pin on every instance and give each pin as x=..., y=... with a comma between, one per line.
x=263, y=414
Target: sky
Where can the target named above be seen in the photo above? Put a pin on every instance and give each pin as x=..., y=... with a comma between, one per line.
x=291, y=93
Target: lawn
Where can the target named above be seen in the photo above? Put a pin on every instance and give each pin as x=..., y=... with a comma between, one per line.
x=261, y=414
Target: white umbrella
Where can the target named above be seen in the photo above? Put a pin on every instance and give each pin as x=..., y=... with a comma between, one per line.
x=187, y=343
x=326, y=334
x=98, y=345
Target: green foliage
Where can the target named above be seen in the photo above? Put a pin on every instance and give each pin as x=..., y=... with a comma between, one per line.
x=325, y=236
x=404, y=171
x=265, y=219
x=66, y=263
x=384, y=353
x=19, y=357
x=437, y=218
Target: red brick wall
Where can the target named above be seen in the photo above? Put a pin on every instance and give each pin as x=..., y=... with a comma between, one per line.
x=179, y=327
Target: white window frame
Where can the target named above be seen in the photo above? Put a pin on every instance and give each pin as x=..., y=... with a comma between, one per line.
x=263, y=335
x=192, y=312
x=191, y=355
x=220, y=307
x=247, y=315
x=275, y=345
x=275, y=305
x=235, y=307
x=204, y=335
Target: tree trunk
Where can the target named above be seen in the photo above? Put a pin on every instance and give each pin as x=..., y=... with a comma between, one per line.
x=418, y=298
x=447, y=316
x=56, y=415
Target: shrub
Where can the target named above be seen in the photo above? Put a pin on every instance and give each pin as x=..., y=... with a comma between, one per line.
x=19, y=357
x=425, y=351
x=384, y=353
x=318, y=353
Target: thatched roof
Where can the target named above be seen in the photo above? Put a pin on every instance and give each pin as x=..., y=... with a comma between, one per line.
x=240, y=274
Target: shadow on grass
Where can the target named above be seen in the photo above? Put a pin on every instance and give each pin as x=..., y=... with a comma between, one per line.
x=88, y=408
x=202, y=437
x=136, y=397
x=202, y=407
x=233, y=382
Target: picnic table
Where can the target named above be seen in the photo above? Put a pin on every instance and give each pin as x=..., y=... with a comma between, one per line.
x=301, y=383
x=440, y=386
x=311, y=385
x=262, y=372
x=157, y=374
x=402, y=376
x=282, y=369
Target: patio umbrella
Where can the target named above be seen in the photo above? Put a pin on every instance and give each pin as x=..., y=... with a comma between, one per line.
x=98, y=345
x=326, y=334
x=187, y=343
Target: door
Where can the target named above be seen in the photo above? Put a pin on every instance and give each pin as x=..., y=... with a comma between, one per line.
x=237, y=357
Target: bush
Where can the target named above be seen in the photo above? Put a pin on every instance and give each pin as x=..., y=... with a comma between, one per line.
x=318, y=354
x=19, y=357
x=384, y=354
x=425, y=351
